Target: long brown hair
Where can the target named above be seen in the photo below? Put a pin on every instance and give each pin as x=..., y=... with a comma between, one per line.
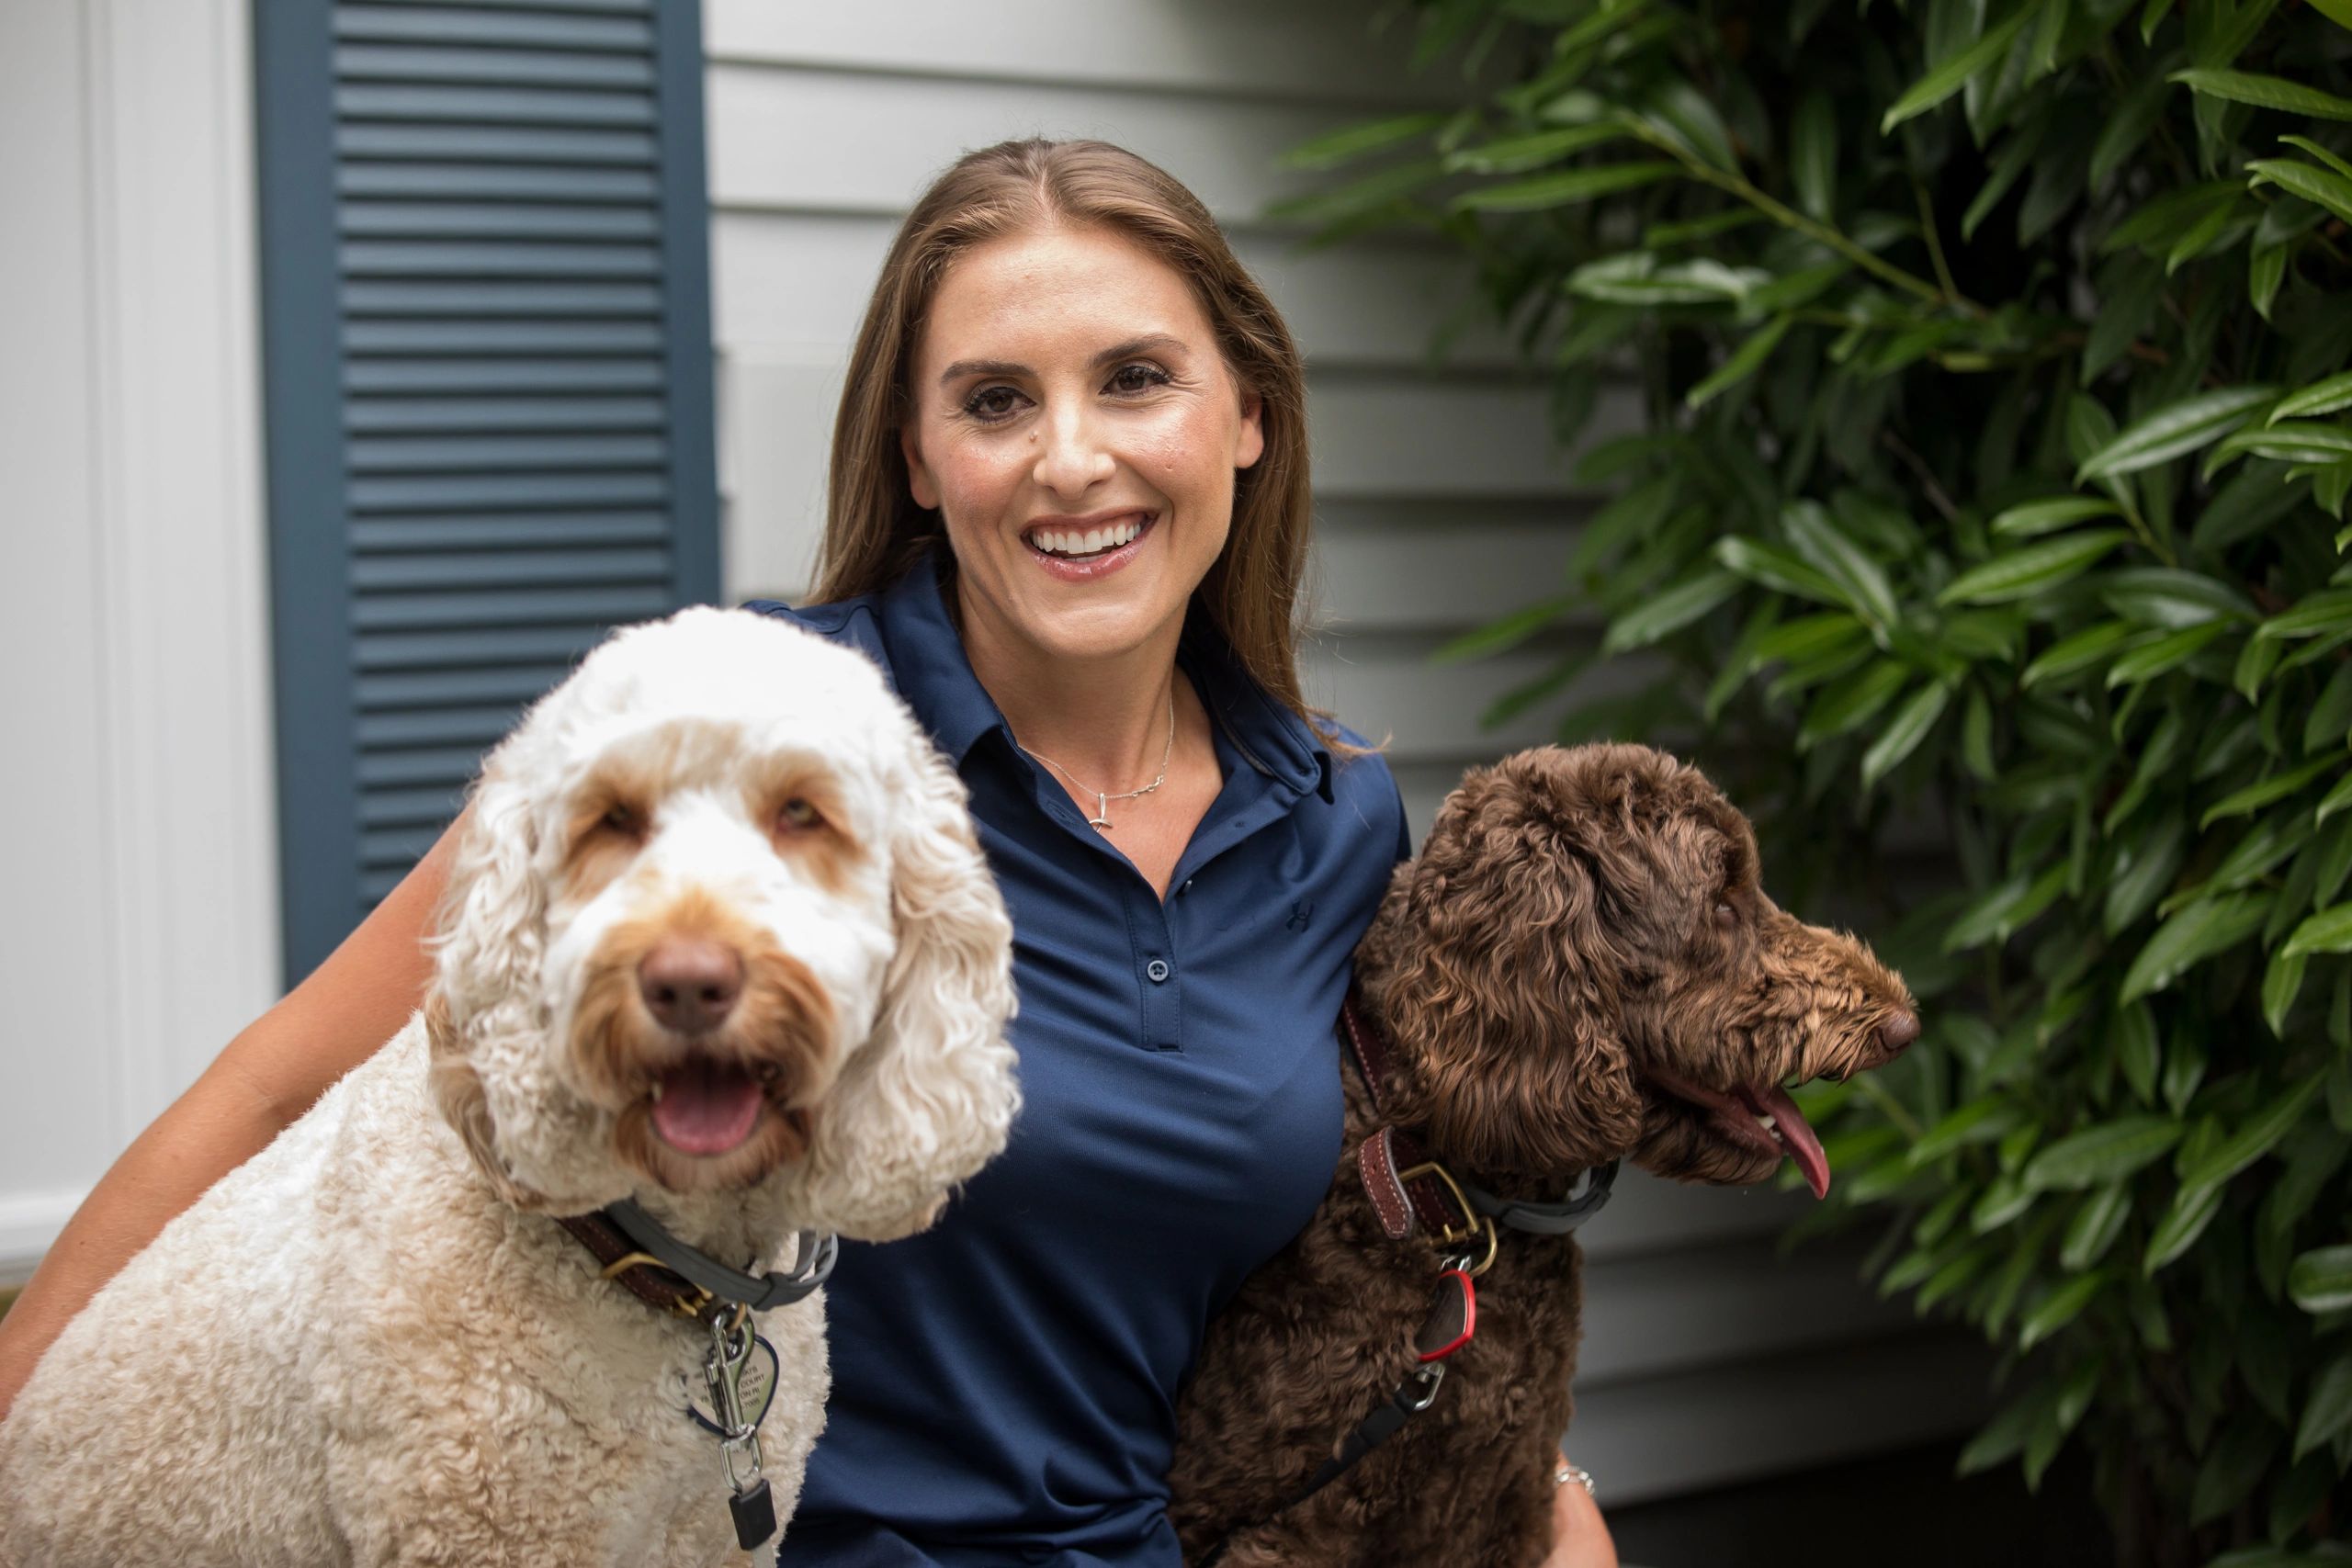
x=874, y=532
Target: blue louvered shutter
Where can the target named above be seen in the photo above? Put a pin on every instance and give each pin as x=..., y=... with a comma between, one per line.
x=488, y=385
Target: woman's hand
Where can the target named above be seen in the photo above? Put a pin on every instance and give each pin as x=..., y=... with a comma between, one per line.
x=1579, y=1537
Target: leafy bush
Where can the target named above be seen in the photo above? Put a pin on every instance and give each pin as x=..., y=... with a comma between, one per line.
x=1989, y=491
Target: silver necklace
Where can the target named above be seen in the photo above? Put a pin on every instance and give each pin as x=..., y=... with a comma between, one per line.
x=1101, y=820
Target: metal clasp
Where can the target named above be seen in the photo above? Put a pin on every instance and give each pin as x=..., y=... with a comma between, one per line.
x=1429, y=1375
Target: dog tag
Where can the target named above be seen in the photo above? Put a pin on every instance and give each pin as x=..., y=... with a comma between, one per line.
x=1454, y=1317
x=756, y=1377
x=754, y=1511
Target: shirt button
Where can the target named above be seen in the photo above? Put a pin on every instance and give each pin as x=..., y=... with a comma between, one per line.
x=1157, y=969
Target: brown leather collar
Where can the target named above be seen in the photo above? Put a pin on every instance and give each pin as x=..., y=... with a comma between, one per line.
x=644, y=1276
x=1411, y=1187
x=1422, y=1199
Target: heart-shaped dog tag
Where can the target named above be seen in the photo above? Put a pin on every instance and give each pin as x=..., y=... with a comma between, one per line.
x=1454, y=1317
x=755, y=1389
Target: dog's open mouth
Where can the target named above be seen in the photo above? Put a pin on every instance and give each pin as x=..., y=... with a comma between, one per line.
x=706, y=1106
x=1761, y=1116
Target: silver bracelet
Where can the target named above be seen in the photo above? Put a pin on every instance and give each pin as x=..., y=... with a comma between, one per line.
x=1567, y=1473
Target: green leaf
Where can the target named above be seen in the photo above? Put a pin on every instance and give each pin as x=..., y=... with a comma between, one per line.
x=2336, y=800
x=2198, y=932
x=2036, y=517
x=2320, y=1279
x=1569, y=186
x=2179, y=427
x=2108, y=1152
x=2329, y=722
x=2007, y=1432
x=1837, y=557
x=2033, y=570
x=2237, y=803
x=1953, y=73
x=1744, y=362
x=2137, y=1052
x=1777, y=569
x=2254, y=1140
x=2234, y=1466
x=2330, y=610
x=1813, y=154
x=1637, y=515
x=1848, y=702
x=2299, y=441
x=2327, y=1414
x=2058, y=1309
x=2306, y=145
x=1807, y=637
x=2095, y=1226
x=2322, y=396
x=2330, y=930
x=1980, y=1120
x=2257, y=659
x=2165, y=653
x=2324, y=187
x=2128, y=124
x=1685, y=115
x=2266, y=92
x=1507, y=633
x=1976, y=735
x=1352, y=142
x=1904, y=732
x=1516, y=154
x=1670, y=611
x=2002, y=910
x=2192, y=1210
x=2166, y=596
x=1358, y=198
x=2265, y=270
x=2093, y=645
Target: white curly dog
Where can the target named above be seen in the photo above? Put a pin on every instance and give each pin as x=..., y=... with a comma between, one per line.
x=718, y=940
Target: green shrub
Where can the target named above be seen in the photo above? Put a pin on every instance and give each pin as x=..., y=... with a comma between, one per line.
x=1990, y=480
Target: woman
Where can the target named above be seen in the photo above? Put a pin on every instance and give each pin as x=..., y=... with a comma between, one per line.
x=1069, y=515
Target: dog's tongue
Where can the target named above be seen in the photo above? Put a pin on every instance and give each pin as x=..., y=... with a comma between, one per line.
x=1796, y=1134
x=706, y=1108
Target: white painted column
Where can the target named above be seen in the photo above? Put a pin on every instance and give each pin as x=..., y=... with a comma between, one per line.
x=139, y=921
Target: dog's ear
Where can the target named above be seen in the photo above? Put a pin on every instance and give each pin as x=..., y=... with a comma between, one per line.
x=930, y=1096
x=457, y=1090
x=1498, y=979
x=492, y=927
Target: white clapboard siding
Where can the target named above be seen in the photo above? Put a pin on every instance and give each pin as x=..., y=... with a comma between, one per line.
x=1364, y=305
x=1440, y=503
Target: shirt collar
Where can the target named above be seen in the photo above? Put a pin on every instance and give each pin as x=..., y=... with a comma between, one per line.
x=928, y=666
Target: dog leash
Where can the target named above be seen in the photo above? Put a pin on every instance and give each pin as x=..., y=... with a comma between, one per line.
x=1411, y=1190
x=639, y=1254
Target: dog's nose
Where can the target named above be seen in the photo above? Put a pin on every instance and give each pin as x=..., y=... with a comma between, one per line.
x=690, y=983
x=1898, y=1031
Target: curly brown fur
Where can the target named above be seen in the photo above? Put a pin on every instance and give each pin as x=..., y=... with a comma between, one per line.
x=1583, y=929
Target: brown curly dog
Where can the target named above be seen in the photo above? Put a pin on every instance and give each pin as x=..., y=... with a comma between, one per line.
x=1580, y=967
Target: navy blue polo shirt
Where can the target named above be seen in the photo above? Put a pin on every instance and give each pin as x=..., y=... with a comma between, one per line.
x=1004, y=1384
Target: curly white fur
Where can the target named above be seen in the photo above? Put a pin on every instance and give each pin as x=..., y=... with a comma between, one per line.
x=369, y=1344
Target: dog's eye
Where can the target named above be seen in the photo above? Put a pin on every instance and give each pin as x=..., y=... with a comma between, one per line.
x=797, y=814
x=1725, y=914
x=622, y=817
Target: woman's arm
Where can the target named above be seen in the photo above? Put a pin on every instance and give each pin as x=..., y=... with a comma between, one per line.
x=267, y=1076
x=1579, y=1539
